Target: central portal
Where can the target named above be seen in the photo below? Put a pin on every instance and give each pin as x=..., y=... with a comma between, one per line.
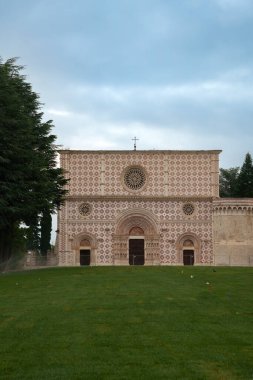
x=84, y=256
x=136, y=252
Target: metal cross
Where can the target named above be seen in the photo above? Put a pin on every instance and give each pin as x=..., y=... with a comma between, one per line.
x=135, y=139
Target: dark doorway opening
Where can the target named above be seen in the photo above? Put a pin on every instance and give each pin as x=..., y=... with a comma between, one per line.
x=136, y=252
x=84, y=256
x=188, y=256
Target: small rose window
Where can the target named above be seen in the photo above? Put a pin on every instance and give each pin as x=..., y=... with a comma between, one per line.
x=188, y=209
x=85, y=209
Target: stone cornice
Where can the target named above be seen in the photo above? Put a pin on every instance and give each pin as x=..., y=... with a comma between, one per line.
x=233, y=202
x=72, y=151
x=131, y=198
x=161, y=223
x=233, y=206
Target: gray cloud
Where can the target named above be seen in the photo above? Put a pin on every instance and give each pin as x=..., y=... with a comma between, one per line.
x=176, y=74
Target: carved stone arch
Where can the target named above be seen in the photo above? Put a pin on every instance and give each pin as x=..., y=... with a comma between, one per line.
x=85, y=243
x=131, y=224
x=181, y=244
x=136, y=218
x=77, y=242
x=188, y=243
x=136, y=231
x=84, y=236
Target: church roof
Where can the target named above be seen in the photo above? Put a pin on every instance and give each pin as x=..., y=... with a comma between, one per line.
x=150, y=151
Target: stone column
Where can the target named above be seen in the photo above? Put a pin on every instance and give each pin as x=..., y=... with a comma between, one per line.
x=120, y=250
x=152, y=253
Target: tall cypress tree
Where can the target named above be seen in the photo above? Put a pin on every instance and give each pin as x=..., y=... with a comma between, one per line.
x=45, y=231
x=29, y=179
x=245, y=178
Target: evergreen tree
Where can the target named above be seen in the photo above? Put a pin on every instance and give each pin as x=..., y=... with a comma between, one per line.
x=32, y=235
x=45, y=231
x=245, y=178
x=228, y=182
x=29, y=179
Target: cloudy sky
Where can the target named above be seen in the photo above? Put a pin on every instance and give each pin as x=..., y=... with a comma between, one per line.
x=178, y=74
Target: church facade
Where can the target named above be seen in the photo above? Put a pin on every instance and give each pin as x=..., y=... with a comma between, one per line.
x=158, y=207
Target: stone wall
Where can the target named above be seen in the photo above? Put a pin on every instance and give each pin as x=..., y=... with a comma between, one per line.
x=233, y=232
x=100, y=226
x=168, y=194
x=34, y=259
x=168, y=173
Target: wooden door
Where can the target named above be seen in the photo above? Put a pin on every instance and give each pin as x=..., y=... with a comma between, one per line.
x=188, y=256
x=136, y=252
x=84, y=256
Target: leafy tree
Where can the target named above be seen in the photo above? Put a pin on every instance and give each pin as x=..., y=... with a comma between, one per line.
x=29, y=179
x=245, y=178
x=228, y=182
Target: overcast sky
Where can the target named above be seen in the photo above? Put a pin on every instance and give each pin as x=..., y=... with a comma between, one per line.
x=178, y=74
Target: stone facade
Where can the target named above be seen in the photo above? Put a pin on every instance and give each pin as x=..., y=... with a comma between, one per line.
x=233, y=231
x=164, y=198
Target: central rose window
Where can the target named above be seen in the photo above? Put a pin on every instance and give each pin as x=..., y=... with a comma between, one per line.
x=134, y=178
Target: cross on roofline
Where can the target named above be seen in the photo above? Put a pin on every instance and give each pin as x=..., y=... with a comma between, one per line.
x=135, y=139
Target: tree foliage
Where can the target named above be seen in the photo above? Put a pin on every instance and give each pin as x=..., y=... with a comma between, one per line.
x=30, y=182
x=245, y=178
x=45, y=232
x=237, y=182
x=228, y=182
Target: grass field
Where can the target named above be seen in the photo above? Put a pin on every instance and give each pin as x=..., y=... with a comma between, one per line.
x=127, y=323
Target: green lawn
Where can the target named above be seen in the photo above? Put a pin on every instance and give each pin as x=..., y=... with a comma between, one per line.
x=127, y=323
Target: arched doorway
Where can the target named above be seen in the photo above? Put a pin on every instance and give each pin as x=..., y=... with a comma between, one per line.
x=188, y=252
x=84, y=246
x=136, y=239
x=85, y=252
x=136, y=246
x=188, y=249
